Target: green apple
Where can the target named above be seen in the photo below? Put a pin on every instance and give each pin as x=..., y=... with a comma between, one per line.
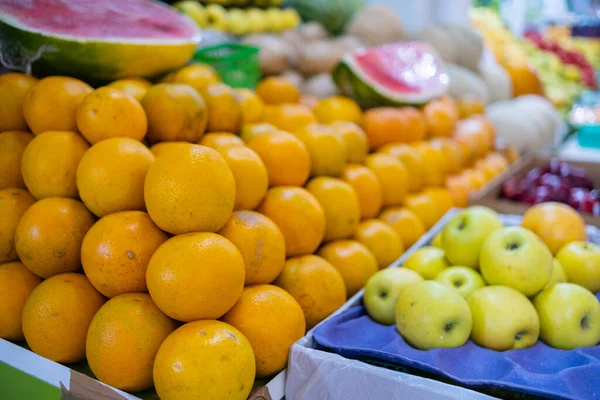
x=428, y=261
x=464, y=280
x=516, y=257
x=429, y=315
x=581, y=262
x=558, y=273
x=503, y=319
x=569, y=316
x=464, y=234
x=383, y=290
x=437, y=240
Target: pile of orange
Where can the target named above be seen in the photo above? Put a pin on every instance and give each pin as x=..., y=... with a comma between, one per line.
x=185, y=234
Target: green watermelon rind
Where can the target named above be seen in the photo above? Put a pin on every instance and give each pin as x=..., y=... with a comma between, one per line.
x=91, y=59
x=332, y=14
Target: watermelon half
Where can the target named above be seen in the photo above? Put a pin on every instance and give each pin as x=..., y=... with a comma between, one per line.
x=409, y=73
x=95, y=40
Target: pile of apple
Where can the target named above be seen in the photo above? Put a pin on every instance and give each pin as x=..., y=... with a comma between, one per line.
x=556, y=181
x=503, y=287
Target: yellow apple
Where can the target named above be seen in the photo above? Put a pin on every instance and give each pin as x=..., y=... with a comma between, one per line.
x=503, y=319
x=569, y=316
x=464, y=280
x=581, y=262
x=428, y=261
x=437, y=240
x=558, y=273
x=429, y=315
x=464, y=234
x=383, y=290
x=516, y=257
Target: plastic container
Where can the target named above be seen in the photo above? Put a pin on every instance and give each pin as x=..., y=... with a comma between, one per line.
x=237, y=64
x=589, y=136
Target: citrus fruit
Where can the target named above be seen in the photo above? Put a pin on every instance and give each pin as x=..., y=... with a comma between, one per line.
x=49, y=236
x=317, y=301
x=298, y=215
x=406, y=224
x=51, y=104
x=367, y=187
x=285, y=156
x=204, y=360
x=272, y=320
x=215, y=140
x=381, y=239
x=16, y=284
x=556, y=224
x=253, y=108
x=340, y=204
x=260, y=243
x=111, y=175
x=198, y=76
x=327, y=150
x=13, y=203
x=123, y=339
x=224, y=111
x=355, y=139
x=250, y=131
x=49, y=164
x=135, y=87
x=442, y=199
x=411, y=159
x=189, y=188
x=195, y=276
x=354, y=262
x=175, y=113
x=116, y=251
x=469, y=105
x=13, y=87
x=475, y=178
x=12, y=147
x=159, y=148
x=289, y=117
x=459, y=189
x=57, y=315
x=424, y=207
x=337, y=108
x=392, y=176
x=441, y=116
x=432, y=162
x=477, y=133
x=276, y=90
x=386, y=125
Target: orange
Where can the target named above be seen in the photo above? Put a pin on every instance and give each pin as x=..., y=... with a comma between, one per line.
x=49, y=236
x=189, y=188
x=57, y=315
x=289, y=117
x=260, y=243
x=135, y=87
x=49, y=164
x=442, y=199
x=441, y=116
x=299, y=215
x=253, y=108
x=433, y=164
x=354, y=262
x=355, y=139
x=337, y=108
x=424, y=206
x=340, y=204
x=318, y=301
x=510, y=153
x=16, y=284
x=159, y=148
x=411, y=159
x=175, y=113
x=327, y=150
x=123, y=339
x=367, y=187
x=488, y=170
x=406, y=224
x=449, y=153
x=13, y=87
x=392, y=175
x=12, y=147
x=198, y=76
x=116, y=251
x=250, y=131
x=51, y=105
x=272, y=320
x=556, y=224
x=224, y=111
x=459, y=189
x=109, y=112
x=475, y=178
x=386, y=125
x=381, y=239
x=111, y=175
x=13, y=203
x=477, y=133
x=524, y=79
x=195, y=276
x=469, y=105
x=215, y=140
x=286, y=158
x=250, y=174
x=204, y=360
x=276, y=90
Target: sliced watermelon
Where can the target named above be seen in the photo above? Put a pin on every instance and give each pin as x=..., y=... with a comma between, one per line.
x=393, y=74
x=96, y=40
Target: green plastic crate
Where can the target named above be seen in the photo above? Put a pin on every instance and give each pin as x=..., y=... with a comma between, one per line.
x=237, y=64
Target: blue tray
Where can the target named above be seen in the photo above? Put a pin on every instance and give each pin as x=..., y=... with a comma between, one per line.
x=539, y=371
